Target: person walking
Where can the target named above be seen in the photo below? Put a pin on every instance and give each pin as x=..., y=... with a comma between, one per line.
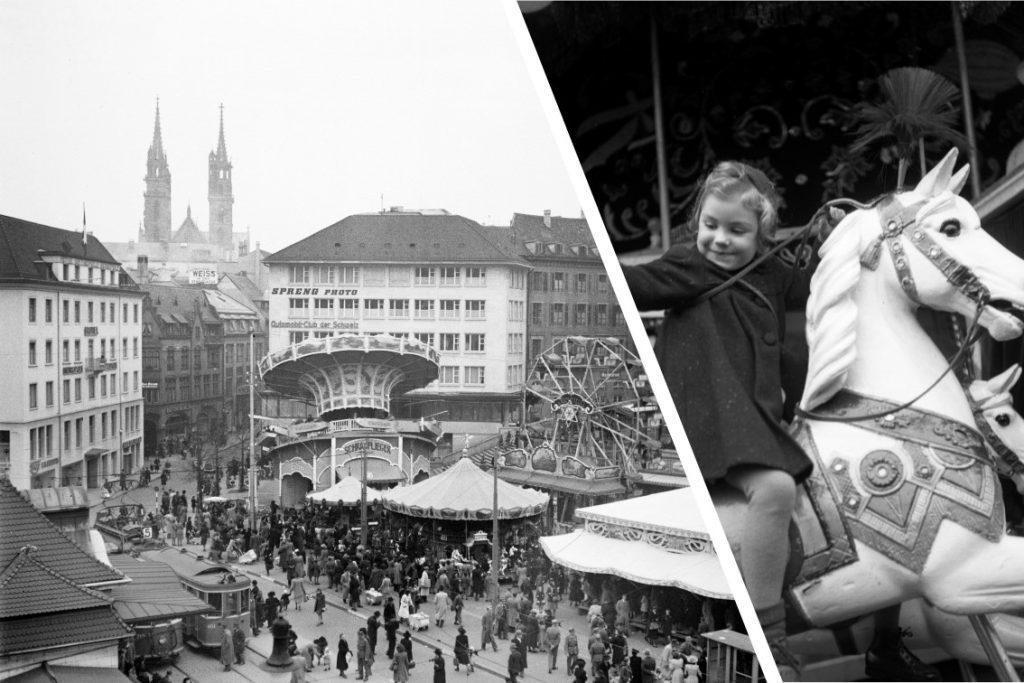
x=372, y=627
x=462, y=651
x=391, y=635
x=572, y=649
x=319, y=606
x=364, y=655
x=515, y=664
x=441, y=606
x=400, y=665
x=487, y=630
x=553, y=639
x=238, y=638
x=343, y=653
x=227, y=647
x=438, y=660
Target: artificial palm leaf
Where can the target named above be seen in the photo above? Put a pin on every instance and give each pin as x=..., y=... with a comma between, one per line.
x=916, y=103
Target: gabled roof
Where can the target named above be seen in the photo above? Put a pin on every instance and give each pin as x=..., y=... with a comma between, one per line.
x=22, y=241
x=22, y=525
x=188, y=231
x=176, y=304
x=400, y=237
x=47, y=631
x=40, y=590
x=565, y=230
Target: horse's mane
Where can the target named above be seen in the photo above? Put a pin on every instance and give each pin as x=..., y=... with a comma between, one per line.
x=832, y=312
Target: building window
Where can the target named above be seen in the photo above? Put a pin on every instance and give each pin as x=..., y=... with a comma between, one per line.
x=135, y=380
x=78, y=312
x=66, y=396
x=348, y=308
x=348, y=275
x=50, y=398
x=31, y=309
x=297, y=337
x=373, y=308
x=89, y=312
x=398, y=308
x=449, y=309
x=537, y=314
x=66, y=346
x=474, y=374
x=617, y=317
x=602, y=314
x=540, y=281
x=298, y=308
x=323, y=308
x=135, y=313
x=476, y=277
x=92, y=429
x=582, y=317
x=515, y=342
x=602, y=283
x=48, y=352
x=103, y=314
x=33, y=396
x=475, y=309
x=557, y=282
x=325, y=275
x=92, y=386
x=78, y=390
x=170, y=359
x=67, y=435
x=298, y=275
x=424, y=309
x=448, y=374
x=474, y=342
x=103, y=386
x=135, y=347
x=449, y=342
x=425, y=337
x=536, y=346
x=67, y=311
x=581, y=283
x=48, y=311
x=425, y=275
x=31, y=353
x=557, y=314
x=450, y=276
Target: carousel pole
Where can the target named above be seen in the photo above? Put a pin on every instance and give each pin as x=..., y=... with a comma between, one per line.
x=495, y=551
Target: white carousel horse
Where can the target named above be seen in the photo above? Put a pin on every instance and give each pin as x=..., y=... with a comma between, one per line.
x=904, y=502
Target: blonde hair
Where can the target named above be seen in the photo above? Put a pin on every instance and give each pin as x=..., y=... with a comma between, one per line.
x=747, y=185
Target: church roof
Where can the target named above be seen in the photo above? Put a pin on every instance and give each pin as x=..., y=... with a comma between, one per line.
x=189, y=231
x=401, y=237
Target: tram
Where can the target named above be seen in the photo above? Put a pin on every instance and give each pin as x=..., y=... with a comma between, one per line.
x=121, y=526
x=223, y=589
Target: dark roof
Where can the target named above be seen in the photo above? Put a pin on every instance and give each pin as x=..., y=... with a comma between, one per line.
x=154, y=593
x=174, y=303
x=55, y=673
x=397, y=237
x=22, y=525
x=45, y=631
x=528, y=228
x=21, y=241
x=40, y=590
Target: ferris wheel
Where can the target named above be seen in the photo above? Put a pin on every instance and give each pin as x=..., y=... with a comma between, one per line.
x=589, y=398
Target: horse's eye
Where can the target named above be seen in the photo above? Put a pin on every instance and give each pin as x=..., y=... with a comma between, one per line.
x=1002, y=419
x=950, y=228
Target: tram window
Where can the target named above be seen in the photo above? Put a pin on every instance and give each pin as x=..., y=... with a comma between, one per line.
x=230, y=604
x=214, y=600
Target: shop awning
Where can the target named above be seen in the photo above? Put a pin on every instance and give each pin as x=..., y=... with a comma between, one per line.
x=698, y=572
x=554, y=482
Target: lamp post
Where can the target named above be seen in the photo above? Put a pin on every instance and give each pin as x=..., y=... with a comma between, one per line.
x=495, y=551
x=362, y=506
x=252, y=431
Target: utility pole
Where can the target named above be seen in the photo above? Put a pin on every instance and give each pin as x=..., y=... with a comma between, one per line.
x=252, y=432
x=495, y=550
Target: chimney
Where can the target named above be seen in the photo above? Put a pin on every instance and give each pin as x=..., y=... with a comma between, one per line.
x=547, y=218
x=143, y=268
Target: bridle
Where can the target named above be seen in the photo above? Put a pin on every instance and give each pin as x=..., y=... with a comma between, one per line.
x=896, y=221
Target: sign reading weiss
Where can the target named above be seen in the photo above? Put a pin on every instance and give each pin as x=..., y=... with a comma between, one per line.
x=202, y=276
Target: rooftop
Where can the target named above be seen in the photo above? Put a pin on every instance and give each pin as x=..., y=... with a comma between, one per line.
x=23, y=242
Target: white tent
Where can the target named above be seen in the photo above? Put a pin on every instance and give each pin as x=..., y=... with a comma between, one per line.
x=348, y=491
x=657, y=540
x=464, y=491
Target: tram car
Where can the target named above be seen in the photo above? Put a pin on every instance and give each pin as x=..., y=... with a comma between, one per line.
x=225, y=590
x=121, y=526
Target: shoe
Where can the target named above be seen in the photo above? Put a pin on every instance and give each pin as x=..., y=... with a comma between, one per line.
x=893, y=661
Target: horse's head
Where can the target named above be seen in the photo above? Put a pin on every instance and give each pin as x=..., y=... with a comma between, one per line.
x=1002, y=426
x=940, y=257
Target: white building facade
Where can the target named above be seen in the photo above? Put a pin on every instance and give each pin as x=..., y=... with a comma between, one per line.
x=447, y=281
x=73, y=413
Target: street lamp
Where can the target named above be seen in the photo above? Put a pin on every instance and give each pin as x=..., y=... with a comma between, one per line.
x=362, y=506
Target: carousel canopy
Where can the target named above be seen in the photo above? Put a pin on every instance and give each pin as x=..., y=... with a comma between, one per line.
x=464, y=491
x=657, y=540
x=348, y=491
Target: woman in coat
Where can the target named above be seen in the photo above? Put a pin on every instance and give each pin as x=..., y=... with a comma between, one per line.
x=342, y=655
x=405, y=608
x=438, y=660
x=227, y=648
x=400, y=665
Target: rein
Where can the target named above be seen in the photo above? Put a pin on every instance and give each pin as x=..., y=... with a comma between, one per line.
x=896, y=220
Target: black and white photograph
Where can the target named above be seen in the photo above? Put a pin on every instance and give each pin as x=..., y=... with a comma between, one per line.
x=817, y=211
x=315, y=369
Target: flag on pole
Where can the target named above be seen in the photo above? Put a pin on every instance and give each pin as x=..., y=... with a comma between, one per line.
x=85, y=237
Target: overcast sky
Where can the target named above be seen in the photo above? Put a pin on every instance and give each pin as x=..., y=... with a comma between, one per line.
x=327, y=106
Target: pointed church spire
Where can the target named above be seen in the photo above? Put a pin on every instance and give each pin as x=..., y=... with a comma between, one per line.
x=157, y=213
x=157, y=148
x=222, y=150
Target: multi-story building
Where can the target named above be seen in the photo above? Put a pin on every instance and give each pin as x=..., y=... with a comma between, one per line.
x=569, y=290
x=443, y=279
x=196, y=345
x=72, y=411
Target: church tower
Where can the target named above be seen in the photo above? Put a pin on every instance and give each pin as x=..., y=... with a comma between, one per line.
x=156, y=223
x=220, y=197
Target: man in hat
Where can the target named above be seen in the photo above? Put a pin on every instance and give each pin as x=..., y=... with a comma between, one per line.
x=515, y=663
x=487, y=630
x=572, y=649
x=635, y=666
x=372, y=625
x=553, y=638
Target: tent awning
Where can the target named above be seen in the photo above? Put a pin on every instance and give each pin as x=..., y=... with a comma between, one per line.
x=348, y=491
x=554, y=482
x=697, y=572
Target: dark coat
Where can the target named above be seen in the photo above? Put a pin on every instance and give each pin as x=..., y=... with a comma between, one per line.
x=724, y=359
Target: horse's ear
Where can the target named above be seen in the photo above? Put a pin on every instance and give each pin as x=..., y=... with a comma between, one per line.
x=937, y=180
x=959, y=179
x=1008, y=377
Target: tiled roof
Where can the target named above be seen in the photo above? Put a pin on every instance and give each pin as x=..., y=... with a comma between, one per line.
x=22, y=525
x=154, y=593
x=45, y=631
x=175, y=303
x=565, y=230
x=21, y=241
x=401, y=237
x=37, y=589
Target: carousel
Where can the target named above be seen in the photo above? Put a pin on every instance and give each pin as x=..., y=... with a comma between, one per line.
x=454, y=509
x=350, y=379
